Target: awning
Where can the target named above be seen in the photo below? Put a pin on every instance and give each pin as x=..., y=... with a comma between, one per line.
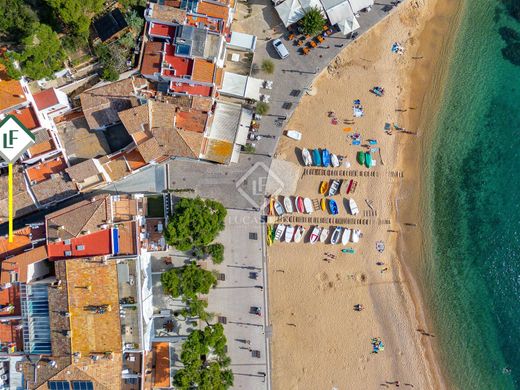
x=358, y=5
x=242, y=41
x=241, y=86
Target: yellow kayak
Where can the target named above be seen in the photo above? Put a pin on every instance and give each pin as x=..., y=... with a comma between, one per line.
x=324, y=204
x=271, y=206
x=324, y=186
x=269, y=235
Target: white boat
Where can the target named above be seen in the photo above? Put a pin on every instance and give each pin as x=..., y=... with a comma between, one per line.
x=346, y=236
x=298, y=235
x=308, y=205
x=336, y=235
x=294, y=134
x=334, y=187
x=315, y=235
x=334, y=161
x=346, y=164
x=278, y=208
x=288, y=204
x=356, y=234
x=279, y=232
x=289, y=233
x=324, y=234
x=306, y=156
x=353, y=206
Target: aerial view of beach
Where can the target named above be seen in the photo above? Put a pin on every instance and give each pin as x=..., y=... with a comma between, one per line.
x=424, y=280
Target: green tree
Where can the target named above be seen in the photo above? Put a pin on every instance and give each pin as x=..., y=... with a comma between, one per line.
x=268, y=66
x=196, y=308
x=262, y=108
x=42, y=54
x=194, y=222
x=76, y=14
x=313, y=21
x=134, y=21
x=216, y=251
x=16, y=20
x=188, y=281
x=109, y=73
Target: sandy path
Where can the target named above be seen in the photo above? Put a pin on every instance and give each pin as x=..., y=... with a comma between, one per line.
x=319, y=341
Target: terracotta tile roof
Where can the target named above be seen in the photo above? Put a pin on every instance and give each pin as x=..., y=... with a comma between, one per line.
x=150, y=150
x=162, y=365
x=98, y=243
x=53, y=190
x=135, y=119
x=43, y=143
x=141, y=136
x=22, y=239
x=202, y=103
x=219, y=76
x=45, y=99
x=117, y=169
x=101, y=105
x=21, y=262
x=127, y=236
x=163, y=114
x=193, y=140
x=83, y=170
x=167, y=14
x=172, y=142
x=27, y=116
x=11, y=296
x=134, y=159
x=23, y=203
x=74, y=220
x=151, y=62
x=213, y=10
x=203, y=71
x=191, y=120
x=11, y=91
x=124, y=209
x=44, y=170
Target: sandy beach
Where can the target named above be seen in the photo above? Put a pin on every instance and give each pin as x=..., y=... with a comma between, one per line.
x=319, y=340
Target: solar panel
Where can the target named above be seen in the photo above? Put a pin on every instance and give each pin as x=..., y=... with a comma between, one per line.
x=58, y=385
x=82, y=385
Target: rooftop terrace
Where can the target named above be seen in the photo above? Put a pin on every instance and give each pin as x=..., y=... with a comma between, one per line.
x=44, y=170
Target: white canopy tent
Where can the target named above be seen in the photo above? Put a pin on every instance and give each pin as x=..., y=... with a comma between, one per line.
x=340, y=13
x=290, y=11
x=358, y=5
x=241, y=86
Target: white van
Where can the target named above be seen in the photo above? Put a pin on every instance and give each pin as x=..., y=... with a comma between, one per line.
x=280, y=49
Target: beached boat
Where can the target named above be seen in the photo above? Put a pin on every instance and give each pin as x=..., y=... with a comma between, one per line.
x=345, y=236
x=349, y=187
x=334, y=187
x=353, y=206
x=368, y=159
x=279, y=232
x=296, y=135
x=356, y=234
x=361, y=158
x=278, y=208
x=269, y=235
x=324, y=186
x=271, y=206
x=287, y=202
x=323, y=204
x=324, y=234
x=316, y=157
x=289, y=233
x=299, y=204
x=336, y=235
x=298, y=234
x=325, y=157
x=306, y=157
x=315, y=235
x=334, y=160
x=307, y=203
x=333, y=207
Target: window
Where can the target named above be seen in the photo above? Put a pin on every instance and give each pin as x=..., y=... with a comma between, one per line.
x=59, y=385
x=82, y=385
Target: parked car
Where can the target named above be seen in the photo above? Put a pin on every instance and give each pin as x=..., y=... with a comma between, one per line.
x=280, y=49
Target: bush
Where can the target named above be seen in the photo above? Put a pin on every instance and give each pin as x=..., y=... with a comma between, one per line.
x=248, y=148
x=109, y=73
x=268, y=66
x=194, y=223
x=216, y=251
x=187, y=281
x=262, y=108
x=313, y=21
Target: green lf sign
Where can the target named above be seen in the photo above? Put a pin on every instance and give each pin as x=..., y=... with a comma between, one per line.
x=15, y=138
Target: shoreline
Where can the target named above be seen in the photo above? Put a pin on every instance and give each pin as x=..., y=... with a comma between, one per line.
x=405, y=297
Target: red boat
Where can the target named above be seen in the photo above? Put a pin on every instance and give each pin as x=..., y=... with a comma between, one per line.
x=299, y=204
x=350, y=185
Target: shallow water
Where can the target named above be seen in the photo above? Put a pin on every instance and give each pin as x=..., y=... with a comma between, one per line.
x=473, y=274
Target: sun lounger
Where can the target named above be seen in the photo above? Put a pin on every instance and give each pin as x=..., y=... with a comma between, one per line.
x=291, y=36
x=312, y=43
x=320, y=38
x=299, y=42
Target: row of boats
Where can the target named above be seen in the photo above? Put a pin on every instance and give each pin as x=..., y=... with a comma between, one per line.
x=305, y=205
x=289, y=233
x=320, y=158
x=333, y=187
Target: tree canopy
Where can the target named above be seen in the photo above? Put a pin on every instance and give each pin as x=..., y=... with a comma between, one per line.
x=16, y=19
x=313, y=21
x=188, y=281
x=194, y=223
x=42, y=54
x=76, y=15
x=201, y=369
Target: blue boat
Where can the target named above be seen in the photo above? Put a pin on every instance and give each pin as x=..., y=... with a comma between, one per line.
x=325, y=157
x=333, y=207
x=316, y=158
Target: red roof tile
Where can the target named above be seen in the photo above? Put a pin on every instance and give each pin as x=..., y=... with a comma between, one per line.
x=151, y=58
x=27, y=116
x=20, y=263
x=191, y=89
x=182, y=66
x=162, y=30
x=94, y=244
x=45, y=99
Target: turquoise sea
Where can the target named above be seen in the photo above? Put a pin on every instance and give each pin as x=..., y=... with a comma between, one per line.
x=473, y=270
